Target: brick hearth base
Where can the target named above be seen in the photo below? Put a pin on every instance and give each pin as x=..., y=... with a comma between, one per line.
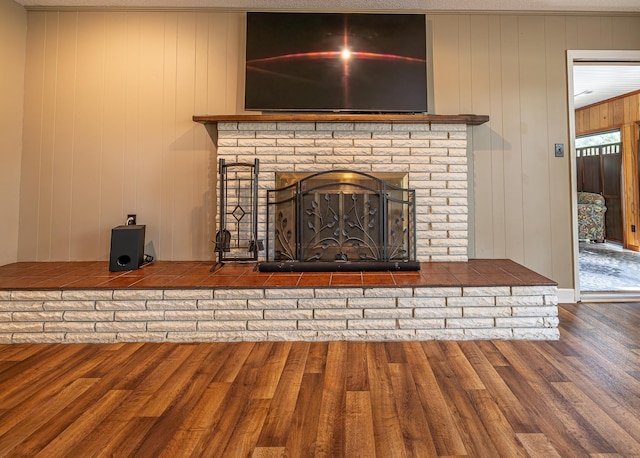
x=444, y=301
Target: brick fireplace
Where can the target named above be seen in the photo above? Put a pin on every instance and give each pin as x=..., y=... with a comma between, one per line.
x=491, y=299
x=433, y=154
x=432, y=151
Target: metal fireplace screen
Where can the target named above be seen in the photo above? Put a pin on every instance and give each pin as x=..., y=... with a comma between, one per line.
x=341, y=220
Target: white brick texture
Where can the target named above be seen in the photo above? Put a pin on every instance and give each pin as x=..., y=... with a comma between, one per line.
x=372, y=313
x=433, y=155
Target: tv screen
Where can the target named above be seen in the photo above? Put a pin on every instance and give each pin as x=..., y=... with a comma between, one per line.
x=351, y=62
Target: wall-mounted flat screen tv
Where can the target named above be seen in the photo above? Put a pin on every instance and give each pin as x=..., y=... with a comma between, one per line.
x=341, y=62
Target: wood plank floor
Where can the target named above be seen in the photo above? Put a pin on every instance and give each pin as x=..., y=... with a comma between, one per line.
x=579, y=396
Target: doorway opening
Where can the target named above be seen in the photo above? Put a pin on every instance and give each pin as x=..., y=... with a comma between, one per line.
x=604, y=140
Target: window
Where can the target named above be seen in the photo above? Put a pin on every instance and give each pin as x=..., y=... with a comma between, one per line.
x=601, y=138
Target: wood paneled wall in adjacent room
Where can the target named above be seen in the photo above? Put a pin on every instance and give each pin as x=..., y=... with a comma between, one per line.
x=620, y=113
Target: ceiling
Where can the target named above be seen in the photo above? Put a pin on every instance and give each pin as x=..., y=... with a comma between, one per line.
x=597, y=82
x=619, y=6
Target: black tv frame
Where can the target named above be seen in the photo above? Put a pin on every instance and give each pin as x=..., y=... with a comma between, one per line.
x=294, y=62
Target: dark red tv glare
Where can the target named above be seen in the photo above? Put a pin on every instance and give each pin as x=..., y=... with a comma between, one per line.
x=336, y=55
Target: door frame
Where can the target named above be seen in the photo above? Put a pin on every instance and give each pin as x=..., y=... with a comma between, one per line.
x=574, y=56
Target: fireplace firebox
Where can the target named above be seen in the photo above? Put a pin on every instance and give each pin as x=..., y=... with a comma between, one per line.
x=341, y=220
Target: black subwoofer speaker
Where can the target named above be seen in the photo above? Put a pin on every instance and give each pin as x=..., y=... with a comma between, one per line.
x=127, y=247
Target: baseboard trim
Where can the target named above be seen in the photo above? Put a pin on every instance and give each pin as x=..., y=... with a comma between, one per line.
x=567, y=295
x=610, y=297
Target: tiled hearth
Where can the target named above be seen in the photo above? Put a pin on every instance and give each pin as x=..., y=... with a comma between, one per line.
x=184, y=301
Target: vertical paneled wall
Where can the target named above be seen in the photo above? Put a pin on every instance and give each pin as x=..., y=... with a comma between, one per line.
x=108, y=129
x=13, y=31
x=513, y=68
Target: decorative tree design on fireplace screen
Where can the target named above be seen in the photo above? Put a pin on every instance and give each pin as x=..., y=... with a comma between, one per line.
x=341, y=216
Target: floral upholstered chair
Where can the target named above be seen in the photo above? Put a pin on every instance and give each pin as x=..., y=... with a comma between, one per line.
x=591, y=209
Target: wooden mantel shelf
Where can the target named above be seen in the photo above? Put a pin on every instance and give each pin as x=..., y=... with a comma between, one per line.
x=469, y=119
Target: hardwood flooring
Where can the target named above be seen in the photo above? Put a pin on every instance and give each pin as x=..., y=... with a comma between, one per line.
x=579, y=396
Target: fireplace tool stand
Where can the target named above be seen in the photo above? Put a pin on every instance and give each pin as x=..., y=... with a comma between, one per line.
x=237, y=235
